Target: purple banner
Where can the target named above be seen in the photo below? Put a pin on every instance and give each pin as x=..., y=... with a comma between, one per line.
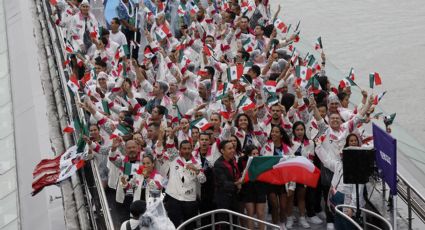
x=386, y=157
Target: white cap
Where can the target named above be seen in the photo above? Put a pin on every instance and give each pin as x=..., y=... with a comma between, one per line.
x=85, y=2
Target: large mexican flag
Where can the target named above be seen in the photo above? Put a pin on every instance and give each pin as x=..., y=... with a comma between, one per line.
x=278, y=170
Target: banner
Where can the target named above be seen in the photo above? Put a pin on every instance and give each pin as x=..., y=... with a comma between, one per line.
x=386, y=157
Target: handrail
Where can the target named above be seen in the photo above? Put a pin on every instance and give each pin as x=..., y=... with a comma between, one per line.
x=230, y=213
x=341, y=213
x=72, y=110
x=417, y=203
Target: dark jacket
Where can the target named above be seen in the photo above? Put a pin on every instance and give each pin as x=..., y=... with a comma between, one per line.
x=225, y=188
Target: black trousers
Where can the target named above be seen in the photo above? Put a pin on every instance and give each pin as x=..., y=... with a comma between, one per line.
x=313, y=200
x=206, y=205
x=330, y=218
x=180, y=211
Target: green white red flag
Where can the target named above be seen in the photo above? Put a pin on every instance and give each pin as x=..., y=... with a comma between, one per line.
x=246, y=104
x=378, y=97
x=374, y=79
x=51, y=171
x=234, y=72
x=318, y=44
x=303, y=72
x=280, y=25
x=277, y=170
x=201, y=124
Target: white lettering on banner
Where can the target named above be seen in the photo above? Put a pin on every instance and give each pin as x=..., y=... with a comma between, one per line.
x=385, y=157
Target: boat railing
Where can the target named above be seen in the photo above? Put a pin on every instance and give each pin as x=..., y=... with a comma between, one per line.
x=94, y=194
x=230, y=222
x=414, y=200
x=365, y=214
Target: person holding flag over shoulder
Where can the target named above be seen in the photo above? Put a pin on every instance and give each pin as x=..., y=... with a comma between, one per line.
x=126, y=13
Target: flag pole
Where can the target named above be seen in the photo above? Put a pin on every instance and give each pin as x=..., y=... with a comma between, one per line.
x=133, y=44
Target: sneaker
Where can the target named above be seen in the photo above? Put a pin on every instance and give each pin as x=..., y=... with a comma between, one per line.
x=303, y=222
x=321, y=215
x=290, y=222
x=330, y=226
x=282, y=226
x=314, y=220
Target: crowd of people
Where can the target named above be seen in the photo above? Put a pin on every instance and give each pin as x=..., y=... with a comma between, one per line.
x=180, y=93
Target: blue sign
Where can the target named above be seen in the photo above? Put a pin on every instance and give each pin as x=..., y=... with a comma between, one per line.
x=386, y=157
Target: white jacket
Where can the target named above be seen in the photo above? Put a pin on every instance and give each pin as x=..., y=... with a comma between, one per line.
x=182, y=182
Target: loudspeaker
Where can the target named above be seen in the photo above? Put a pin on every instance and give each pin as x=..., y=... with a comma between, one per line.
x=358, y=164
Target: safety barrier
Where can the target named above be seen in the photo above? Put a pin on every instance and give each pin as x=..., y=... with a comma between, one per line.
x=231, y=214
x=366, y=225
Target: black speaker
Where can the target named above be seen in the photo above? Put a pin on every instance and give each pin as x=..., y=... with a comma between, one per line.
x=358, y=164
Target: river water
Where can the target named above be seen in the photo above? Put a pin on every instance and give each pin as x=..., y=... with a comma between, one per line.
x=387, y=37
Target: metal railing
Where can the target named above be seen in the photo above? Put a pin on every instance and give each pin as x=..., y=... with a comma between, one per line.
x=414, y=200
x=100, y=216
x=366, y=225
x=229, y=223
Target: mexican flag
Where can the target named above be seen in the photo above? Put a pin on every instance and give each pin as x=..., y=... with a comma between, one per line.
x=246, y=104
x=119, y=131
x=277, y=170
x=130, y=168
x=374, y=79
x=273, y=99
x=73, y=84
x=318, y=44
x=303, y=72
x=378, y=97
x=388, y=120
x=234, y=72
x=72, y=126
x=247, y=6
x=194, y=10
x=222, y=89
x=351, y=74
x=311, y=60
x=122, y=51
x=201, y=124
x=270, y=87
x=346, y=82
x=248, y=45
x=148, y=53
x=51, y=171
x=280, y=25
x=162, y=32
x=202, y=73
x=181, y=11
x=313, y=85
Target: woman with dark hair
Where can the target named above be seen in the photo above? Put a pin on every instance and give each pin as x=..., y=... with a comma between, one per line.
x=227, y=180
x=238, y=147
x=147, y=179
x=244, y=129
x=279, y=144
x=253, y=194
x=302, y=147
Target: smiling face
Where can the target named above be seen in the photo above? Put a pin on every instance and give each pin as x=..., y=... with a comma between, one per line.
x=243, y=123
x=85, y=9
x=148, y=164
x=184, y=123
x=132, y=149
x=335, y=121
x=228, y=151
